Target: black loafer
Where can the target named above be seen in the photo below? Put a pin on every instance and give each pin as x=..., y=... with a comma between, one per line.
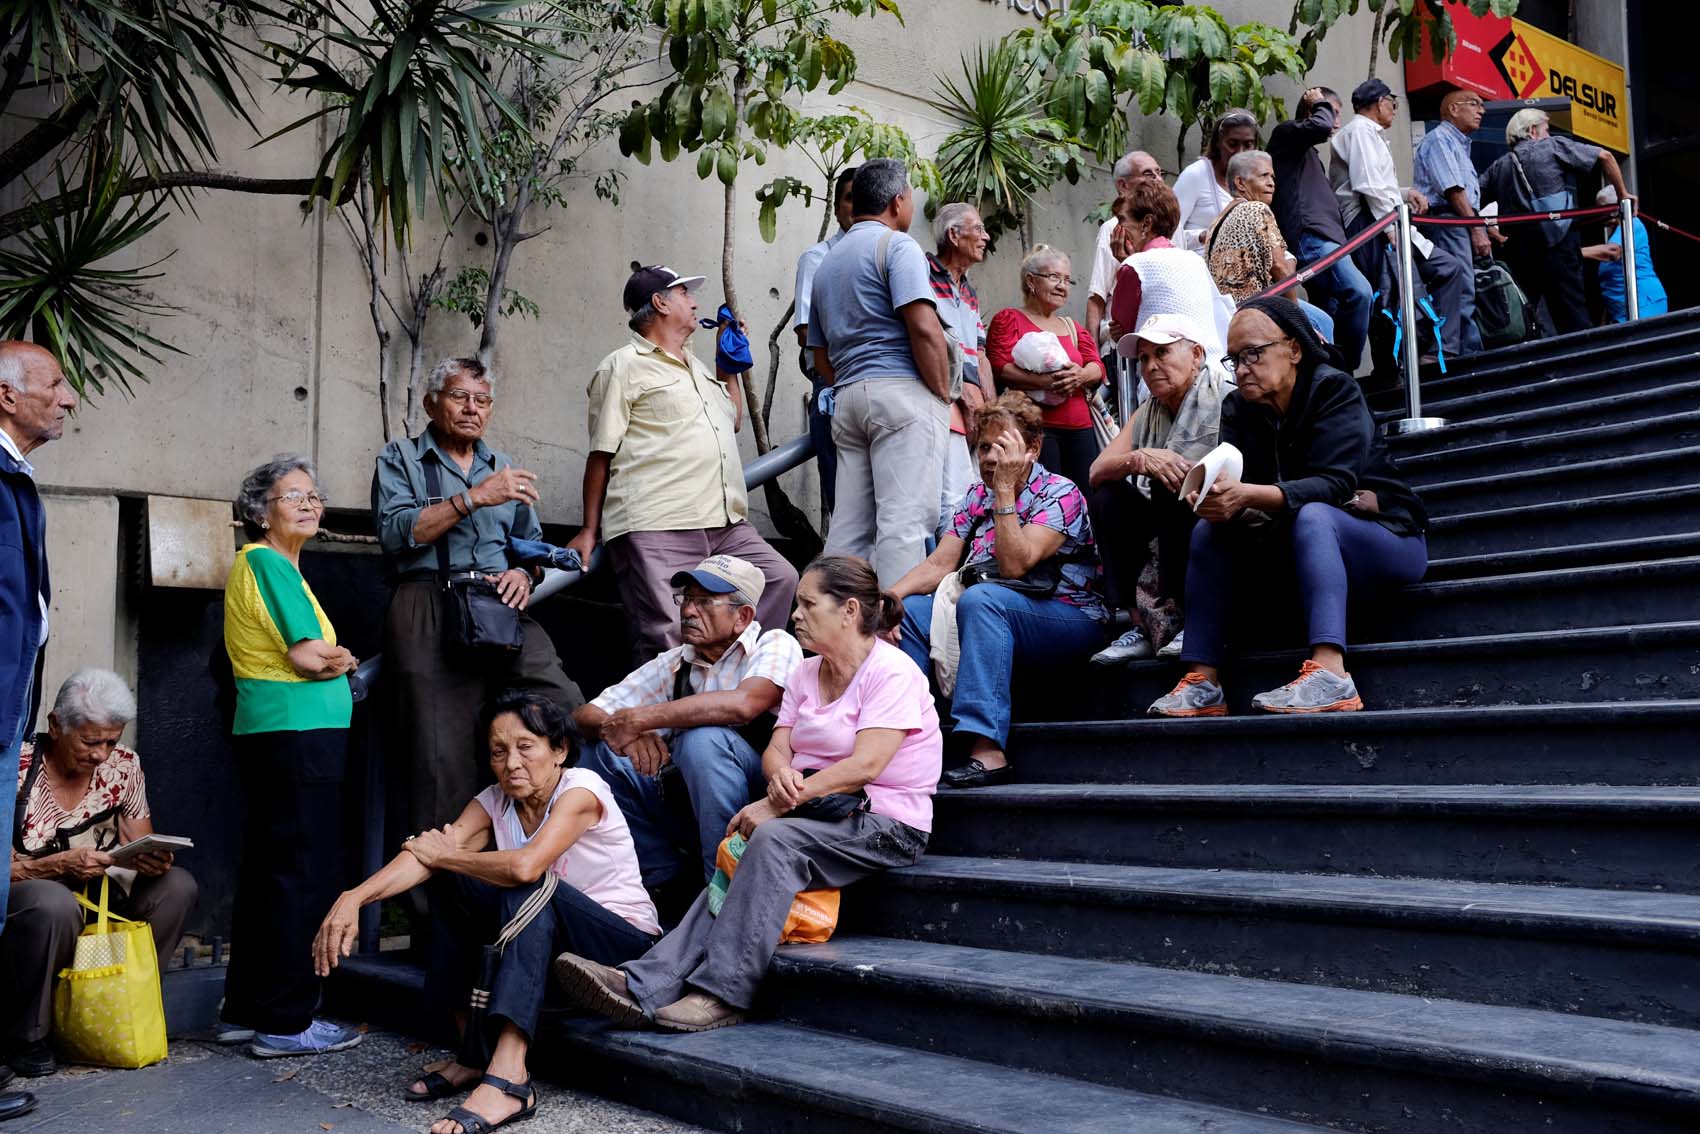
x=976, y=774
x=34, y=1060
x=14, y=1104
x=6, y=1075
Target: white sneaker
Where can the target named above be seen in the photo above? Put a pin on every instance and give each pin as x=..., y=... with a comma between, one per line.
x=1174, y=648
x=1131, y=646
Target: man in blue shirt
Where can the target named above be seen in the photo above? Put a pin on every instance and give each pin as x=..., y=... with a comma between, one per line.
x=875, y=332
x=1445, y=175
x=480, y=503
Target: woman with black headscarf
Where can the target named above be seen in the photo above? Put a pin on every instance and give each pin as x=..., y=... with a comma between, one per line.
x=1318, y=478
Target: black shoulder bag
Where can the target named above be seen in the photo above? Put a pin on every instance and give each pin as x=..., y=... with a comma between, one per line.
x=477, y=625
x=1040, y=582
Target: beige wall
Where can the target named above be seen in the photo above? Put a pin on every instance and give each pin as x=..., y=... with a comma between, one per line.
x=279, y=353
x=84, y=618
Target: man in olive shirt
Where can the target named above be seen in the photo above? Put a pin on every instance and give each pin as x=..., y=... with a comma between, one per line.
x=663, y=482
x=482, y=503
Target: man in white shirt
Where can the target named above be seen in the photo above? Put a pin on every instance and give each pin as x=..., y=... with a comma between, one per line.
x=1128, y=171
x=820, y=419
x=1367, y=185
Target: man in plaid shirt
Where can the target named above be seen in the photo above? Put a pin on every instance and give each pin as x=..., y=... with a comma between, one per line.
x=693, y=721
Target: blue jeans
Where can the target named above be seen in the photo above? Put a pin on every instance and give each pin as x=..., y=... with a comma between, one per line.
x=722, y=773
x=996, y=628
x=826, y=453
x=1344, y=293
x=1334, y=553
x=9, y=775
x=1320, y=320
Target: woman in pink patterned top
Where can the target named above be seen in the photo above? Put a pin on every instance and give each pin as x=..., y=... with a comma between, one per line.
x=1021, y=568
x=83, y=796
x=851, y=769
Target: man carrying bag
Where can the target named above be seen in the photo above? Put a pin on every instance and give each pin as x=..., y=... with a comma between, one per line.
x=447, y=509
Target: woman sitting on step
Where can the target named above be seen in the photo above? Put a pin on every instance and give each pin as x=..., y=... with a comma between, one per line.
x=1319, y=487
x=562, y=873
x=851, y=771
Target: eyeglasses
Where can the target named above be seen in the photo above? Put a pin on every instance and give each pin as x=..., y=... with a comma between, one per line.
x=1055, y=278
x=461, y=397
x=1251, y=355
x=294, y=498
x=680, y=599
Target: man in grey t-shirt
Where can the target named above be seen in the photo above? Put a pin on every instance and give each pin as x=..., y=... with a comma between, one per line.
x=875, y=332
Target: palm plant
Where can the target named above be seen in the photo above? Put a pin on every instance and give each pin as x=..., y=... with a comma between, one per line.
x=1008, y=145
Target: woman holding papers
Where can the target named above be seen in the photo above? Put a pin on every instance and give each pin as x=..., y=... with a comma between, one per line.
x=1318, y=489
x=82, y=796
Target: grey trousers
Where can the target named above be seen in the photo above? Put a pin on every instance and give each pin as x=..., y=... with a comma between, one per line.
x=890, y=434
x=727, y=956
x=645, y=562
x=434, y=704
x=42, y=924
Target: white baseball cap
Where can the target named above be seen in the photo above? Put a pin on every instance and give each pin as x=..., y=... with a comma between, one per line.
x=1160, y=329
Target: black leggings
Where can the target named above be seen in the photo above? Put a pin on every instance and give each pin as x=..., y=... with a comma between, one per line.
x=1070, y=453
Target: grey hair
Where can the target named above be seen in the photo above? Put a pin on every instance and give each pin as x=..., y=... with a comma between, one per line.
x=1037, y=257
x=449, y=367
x=643, y=317
x=1241, y=165
x=878, y=183
x=1124, y=165
x=13, y=372
x=94, y=696
x=950, y=218
x=257, y=485
x=1523, y=123
x=1606, y=196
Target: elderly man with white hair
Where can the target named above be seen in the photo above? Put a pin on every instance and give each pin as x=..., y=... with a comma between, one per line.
x=1135, y=166
x=82, y=796
x=961, y=238
x=448, y=508
x=34, y=399
x=1540, y=175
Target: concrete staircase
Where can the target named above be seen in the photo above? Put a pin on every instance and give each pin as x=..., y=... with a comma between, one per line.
x=1474, y=907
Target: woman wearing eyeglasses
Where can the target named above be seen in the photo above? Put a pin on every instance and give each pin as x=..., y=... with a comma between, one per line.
x=1070, y=444
x=1318, y=485
x=293, y=707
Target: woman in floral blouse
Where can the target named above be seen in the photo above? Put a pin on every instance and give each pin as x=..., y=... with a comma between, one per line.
x=1020, y=568
x=82, y=795
x=1244, y=246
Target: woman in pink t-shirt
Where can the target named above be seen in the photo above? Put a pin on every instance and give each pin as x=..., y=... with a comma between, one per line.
x=542, y=819
x=851, y=770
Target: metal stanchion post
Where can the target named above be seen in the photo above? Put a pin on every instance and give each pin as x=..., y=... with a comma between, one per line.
x=1126, y=389
x=1413, y=421
x=1626, y=232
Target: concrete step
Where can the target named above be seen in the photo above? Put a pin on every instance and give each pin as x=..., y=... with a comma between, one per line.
x=1647, y=743
x=1590, y=516
x=1556, y=483
x=779, y=1077
x=1537, y=390
x=1619, y=409
x=1614, y=838
x=1596, y=665
x=1615, y=954
x=1594, y=554
x=1498, y=455
x=1362, y=1059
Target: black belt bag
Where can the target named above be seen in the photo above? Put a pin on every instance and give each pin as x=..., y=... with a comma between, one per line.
x=477, y=625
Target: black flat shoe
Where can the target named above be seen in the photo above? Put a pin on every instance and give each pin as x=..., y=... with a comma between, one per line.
x=14, y=1104
x=976, y=774
x=34, y=1060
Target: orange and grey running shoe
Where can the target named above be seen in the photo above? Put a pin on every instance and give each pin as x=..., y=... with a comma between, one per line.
x=1314, y=690
x=1195, y=696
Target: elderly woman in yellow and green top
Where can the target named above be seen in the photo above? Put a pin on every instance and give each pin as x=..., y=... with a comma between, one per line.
x=291, y=737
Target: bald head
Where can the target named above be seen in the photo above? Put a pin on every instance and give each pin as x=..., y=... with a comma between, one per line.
x=34, y=395
x=1463, y=109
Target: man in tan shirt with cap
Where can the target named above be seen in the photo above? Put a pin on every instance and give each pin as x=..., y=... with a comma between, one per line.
x=663, y=482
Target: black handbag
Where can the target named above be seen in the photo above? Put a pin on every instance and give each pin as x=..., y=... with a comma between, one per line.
x=1040, y=582
x=477, y=624
x=830, y=808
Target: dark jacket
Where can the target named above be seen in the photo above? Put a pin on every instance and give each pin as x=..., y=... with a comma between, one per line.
x=1323, y=450
x=23, y=583
x=1304, y=200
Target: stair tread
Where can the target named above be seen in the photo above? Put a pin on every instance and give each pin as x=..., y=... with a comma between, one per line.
x=1621, y=913
x=1453, y=1036
x=1670, y=329
x=1607, y=551
x=913, y=1089
x=1382, y=719
x=1519, y=580
x=1673, y=493
x=1604, y=466
x=1560, y=440
x=1266, y=798
x=1448, y=403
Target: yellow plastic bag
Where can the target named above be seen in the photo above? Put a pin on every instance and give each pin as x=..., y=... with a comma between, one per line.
x=107, y=1008
x=814, y=913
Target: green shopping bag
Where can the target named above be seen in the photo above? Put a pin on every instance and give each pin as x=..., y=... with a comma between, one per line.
x=107, y=1008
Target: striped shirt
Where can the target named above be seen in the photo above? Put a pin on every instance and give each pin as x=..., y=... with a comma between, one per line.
x=773, y=655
